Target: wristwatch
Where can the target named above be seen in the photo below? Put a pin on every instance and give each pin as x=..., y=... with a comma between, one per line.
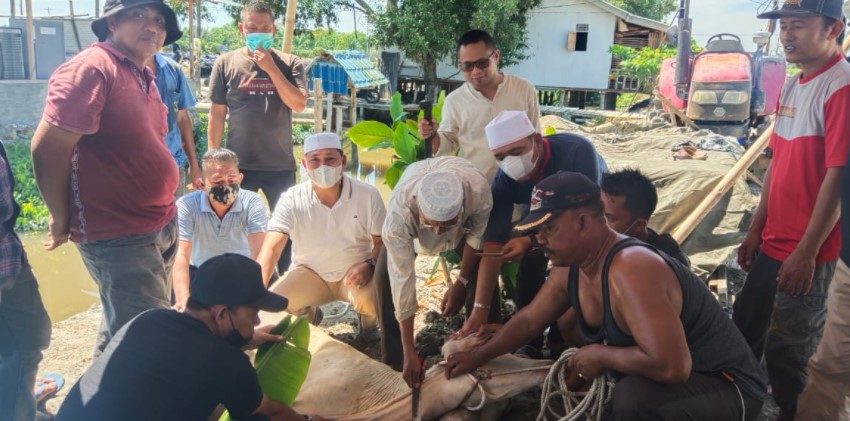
x=463, y=281
x=371, y=262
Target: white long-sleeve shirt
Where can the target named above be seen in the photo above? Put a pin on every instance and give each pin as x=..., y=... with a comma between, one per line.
x=467, y=111
x=401, y=226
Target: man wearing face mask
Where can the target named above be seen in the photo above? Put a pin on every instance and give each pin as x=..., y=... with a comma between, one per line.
x=222, y=218
x=165, y=365
x=630, y=199
x=334, y=223
x=256, y=89
x=439, y=204
x=524, y=157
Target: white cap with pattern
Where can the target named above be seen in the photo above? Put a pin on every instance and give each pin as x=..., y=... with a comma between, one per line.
x=440, y=196
x=321, y=141
x=508, y=127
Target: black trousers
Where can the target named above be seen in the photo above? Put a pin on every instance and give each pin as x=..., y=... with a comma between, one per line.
x=702, y=397
x=273, y=184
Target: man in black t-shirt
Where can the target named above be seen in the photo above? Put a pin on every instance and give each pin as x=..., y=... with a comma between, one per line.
x=166, y=365
x=524, y=158
x=630, y=200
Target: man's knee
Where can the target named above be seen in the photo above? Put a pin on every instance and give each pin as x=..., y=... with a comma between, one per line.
x=630, y=400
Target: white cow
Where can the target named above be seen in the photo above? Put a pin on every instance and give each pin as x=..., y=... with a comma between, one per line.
x=345, y=384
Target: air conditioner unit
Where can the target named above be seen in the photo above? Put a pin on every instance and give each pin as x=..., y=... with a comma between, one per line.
x=11, y=54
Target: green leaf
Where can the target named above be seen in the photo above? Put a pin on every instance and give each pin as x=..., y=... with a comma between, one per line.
x=437, y=109
x=396, y=108
x=405, y=144
x=413, y=127
x=394, y=173
x=452, y=257
x=509, y=273
x=368, y=134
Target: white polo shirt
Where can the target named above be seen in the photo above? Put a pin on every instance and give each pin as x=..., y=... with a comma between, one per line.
x=330, y=240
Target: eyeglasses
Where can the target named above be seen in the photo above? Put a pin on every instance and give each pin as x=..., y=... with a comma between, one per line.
x=467, y=66
x=141, y=17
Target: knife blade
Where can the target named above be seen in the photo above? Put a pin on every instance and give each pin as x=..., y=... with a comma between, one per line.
x=417, y=391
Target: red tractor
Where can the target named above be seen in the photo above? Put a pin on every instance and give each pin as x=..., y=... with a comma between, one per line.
x=723, y=88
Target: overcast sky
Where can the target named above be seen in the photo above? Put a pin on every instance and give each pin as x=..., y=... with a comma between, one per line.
x=710, y=16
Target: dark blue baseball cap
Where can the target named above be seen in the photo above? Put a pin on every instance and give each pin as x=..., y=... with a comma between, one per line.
x=828, y=8
x=233, y=280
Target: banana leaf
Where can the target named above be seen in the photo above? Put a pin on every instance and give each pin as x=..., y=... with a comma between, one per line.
x=282, y=366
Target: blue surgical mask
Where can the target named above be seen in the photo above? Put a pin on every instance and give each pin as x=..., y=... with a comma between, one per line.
x=257, y=40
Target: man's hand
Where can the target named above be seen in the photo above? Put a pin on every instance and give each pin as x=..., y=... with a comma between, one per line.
x=516, y=248
x=796, y=273
x=261, y=336
x=413, y=369
x=180, y=301
x=453, y=299
x=358, y=275
x=462, y=363
x=747, y=250
x=58, y=234
x=195, y=176
x=264, y=60
x=584, y=365
x=426, y=128
x=475, y=323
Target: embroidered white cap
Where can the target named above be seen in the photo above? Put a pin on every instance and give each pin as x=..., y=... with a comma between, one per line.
x=508, y=127
x=440, y=196
x=321, y=141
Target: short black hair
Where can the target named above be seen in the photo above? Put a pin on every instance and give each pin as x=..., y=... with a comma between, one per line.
x=828, y=22
x=193, y=304
x=640, y=194
x=474, y=36
x=257, y=6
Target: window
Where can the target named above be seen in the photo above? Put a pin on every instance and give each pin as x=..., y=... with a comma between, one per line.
x=577, y=41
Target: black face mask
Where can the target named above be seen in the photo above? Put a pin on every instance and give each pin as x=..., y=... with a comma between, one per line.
x=234, y=338
x=223, y=193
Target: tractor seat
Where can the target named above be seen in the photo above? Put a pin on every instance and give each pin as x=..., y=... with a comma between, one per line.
x=725, y=46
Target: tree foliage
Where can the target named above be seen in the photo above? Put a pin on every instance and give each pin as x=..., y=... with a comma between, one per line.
x=427, y=34
x=309, y=14
x=652, y=9
x=644, y=64
x=307, y=44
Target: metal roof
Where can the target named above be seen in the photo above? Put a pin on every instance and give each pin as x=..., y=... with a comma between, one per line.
x=361, y=71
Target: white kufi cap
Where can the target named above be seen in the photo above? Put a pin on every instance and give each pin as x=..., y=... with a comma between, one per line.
x=440, y=196
x=321, y=141
x=508, y=127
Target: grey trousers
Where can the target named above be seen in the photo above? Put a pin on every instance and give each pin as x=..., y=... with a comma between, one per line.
x=133, y=274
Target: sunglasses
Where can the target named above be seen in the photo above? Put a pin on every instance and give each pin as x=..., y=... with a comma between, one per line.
x=467, y=66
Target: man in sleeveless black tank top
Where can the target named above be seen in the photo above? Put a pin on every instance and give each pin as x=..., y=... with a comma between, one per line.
x=640, y=316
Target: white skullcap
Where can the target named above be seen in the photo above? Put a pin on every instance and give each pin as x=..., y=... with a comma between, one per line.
x=321, y=141
x=440, y=196
x=508, y=127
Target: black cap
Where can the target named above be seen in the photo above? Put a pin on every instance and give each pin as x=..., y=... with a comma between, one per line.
x=557, y=193
x=233, y=280
x=101, y=29
x=828, y=8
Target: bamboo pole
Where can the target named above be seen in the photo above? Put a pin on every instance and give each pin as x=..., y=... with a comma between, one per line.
x=30, y=41
x=352, y=116
x=317, y=105
x=289, y=25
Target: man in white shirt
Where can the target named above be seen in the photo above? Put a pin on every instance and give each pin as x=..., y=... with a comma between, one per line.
x=436, y=204
x=486, y=93
x=335, y=225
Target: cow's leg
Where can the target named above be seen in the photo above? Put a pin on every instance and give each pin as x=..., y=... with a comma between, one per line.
x=391, y=350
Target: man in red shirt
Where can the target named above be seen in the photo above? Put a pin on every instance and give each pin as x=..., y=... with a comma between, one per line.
x=792, y=245
x=106, y=176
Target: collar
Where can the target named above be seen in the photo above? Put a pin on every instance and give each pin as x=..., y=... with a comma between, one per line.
x=122, y=58
x=807, y=78
x=207, y=207
x=547, y=156
x=161, y=61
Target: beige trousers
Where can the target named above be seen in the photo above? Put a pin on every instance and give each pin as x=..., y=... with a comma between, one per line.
x=305, y=288
x=827, y=393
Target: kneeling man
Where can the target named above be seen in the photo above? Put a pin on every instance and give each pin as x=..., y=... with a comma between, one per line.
x=638, y=314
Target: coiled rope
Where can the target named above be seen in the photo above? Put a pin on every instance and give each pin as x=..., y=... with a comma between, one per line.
x=559, y=403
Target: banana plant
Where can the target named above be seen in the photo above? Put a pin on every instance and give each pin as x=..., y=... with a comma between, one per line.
x=403, y=136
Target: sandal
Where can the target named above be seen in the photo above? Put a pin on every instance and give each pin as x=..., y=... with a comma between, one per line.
x=47, y=386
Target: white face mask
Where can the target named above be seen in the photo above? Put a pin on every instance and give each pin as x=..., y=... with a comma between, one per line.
x=517, y=167
x=325, y=176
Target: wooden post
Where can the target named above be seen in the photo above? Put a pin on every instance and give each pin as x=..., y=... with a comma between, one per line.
x=30, y=41
x=725, y=184
x=352, y=116
x=338, y=116
x=317, y=105
x=190, y=10
x=12, y=8
x=289, y=25
x=330, y=107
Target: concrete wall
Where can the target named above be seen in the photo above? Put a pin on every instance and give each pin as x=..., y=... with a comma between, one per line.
x=22, y=101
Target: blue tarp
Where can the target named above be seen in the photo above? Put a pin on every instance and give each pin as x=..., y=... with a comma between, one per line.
x=339, y=67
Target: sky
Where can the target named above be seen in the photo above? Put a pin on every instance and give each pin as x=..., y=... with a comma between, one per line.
x=710, y=16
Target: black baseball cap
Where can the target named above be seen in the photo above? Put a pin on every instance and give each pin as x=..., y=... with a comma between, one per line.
x=233, y=280
x=803, y=8
x=557, y=193
x=111, y=7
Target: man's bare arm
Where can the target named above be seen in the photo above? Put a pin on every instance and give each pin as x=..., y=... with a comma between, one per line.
x=273, y=245
x=215, y=126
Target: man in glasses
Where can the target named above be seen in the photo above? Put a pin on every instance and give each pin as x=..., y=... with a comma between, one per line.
x=101, y=164
x=439, y=204
x=468, y=109
x=221, y=218
x=524, y=157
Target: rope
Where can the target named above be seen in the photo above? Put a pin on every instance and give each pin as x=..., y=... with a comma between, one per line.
x=556, y=399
